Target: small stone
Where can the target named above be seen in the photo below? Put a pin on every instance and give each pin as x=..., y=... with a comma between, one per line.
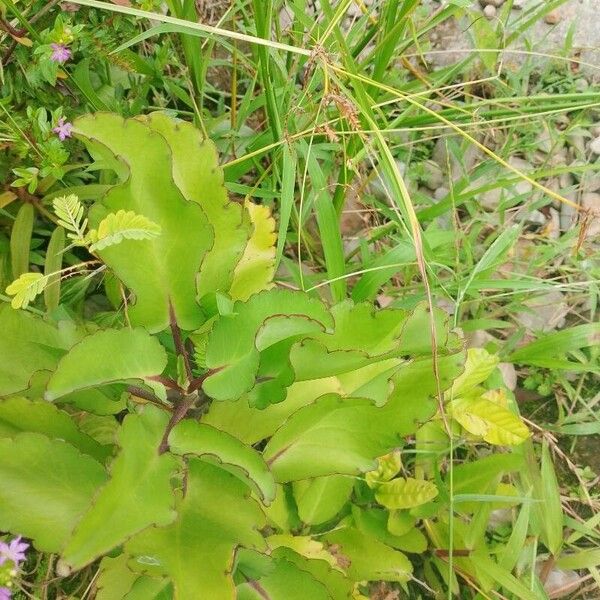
x=595, y=130
x=595, y=145
x=553, y=226
x=440, y=193
x=576, y=139
x=559, y=583
x=489, y=11
x=582, y=85
x=545, y=140
x=432, y=176
x=552, y=18
x=518, y=4
x=509, y=375
x=544, y=313
x=591, y=202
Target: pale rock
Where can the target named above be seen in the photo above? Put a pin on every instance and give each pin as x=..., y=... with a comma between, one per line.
x=576, y=139
x=559, y=583
x=553, y=226
x=546, y=139
x=518, y=4
x=568, y=216
x=595, y=130
x=479, y=338
x=379, y=187
x=582, y=85
x=552, y=18
x=443, y=156
x=544, y=313
x=509, y=375
x=433, y=176
x=591, y=202
x=489, y=11
x=595, y=145
x=440, y=193
x=499, y=517
x=491, y=199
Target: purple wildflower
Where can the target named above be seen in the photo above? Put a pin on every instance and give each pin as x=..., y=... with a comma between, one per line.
x=5, y=593
x=60, y=53
x=63, y=129
x=15, y=552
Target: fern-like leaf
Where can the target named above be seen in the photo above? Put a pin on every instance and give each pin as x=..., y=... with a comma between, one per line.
x=122, y=225
x=26, y=288
x=69, y=211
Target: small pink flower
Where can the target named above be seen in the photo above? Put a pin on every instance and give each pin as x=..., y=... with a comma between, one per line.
x=15, y=552
x=63, y=129
x=5, y=593
x=60, y=53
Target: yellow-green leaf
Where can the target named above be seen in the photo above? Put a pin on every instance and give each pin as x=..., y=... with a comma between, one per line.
x=405, y=493
x=490, y=421
x=255, y=270
x=69, y=211
x=122, y=225
x=26, y=288
x=388, y=467
x=478, y=368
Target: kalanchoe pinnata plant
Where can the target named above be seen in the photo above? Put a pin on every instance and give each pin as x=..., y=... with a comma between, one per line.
x=225, y=438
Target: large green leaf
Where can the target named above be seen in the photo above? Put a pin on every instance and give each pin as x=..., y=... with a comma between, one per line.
x=333, y=435
x=18, y=415
x=115, y=578
x=27, y=344
x=106, y=357
x=137, y=495
x=256, y=268
x=161, y=270
x=210, y=444
x=367, y=558
x=235, y=344
x=197, y=550
x=321, y=498
x=200, y=179
x=287, y=581
x=46, y=486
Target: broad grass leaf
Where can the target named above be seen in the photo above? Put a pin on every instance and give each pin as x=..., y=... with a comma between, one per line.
x=226, y=451
x=138, y=494
x=54, y=258
x=40, y=507
x=107, y=357
x=20, y=240
x=197, y=550
x=403, y=493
